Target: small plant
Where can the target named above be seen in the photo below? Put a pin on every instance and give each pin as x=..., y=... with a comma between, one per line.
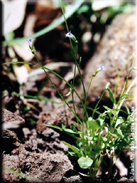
x=97, y=137
x=100, y=137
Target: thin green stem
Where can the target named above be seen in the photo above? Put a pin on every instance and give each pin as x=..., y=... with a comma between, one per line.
x=120, y=102
x=115, y=87
x=18, y=62
x=77, y=65
x=84, y=90
x=89, y=86
x=34, y=97
x=129, y=88
x=59, y=76
x=57, y=89
x=86, y=95
x=125, y=85
x=98, y=103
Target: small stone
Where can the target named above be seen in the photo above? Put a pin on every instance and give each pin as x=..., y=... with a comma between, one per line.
x=11, y=120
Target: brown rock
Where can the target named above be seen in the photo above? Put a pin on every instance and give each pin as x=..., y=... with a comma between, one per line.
x=10, y=163
x=58, y=116
x=10, y=140
x=11, y=120
x=54, y=166
x=115, y=48
x=43, y=166
x=71, y=176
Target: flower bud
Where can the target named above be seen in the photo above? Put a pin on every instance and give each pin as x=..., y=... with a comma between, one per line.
x=30, y=42
x=98, y=70
x=107, y=86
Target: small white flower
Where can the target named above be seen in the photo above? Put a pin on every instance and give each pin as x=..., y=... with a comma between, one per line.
x=101, y=68
x=31, y=46
x=30, y=41
x=70, y=35
x=98, y=97
x=98, y=70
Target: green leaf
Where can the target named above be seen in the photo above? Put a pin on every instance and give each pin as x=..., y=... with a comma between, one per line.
x=126, y=95
x=75, y=149
x=92, y=124
x=108, y=109
x=114, y=135
x=53, y=126
x=72, y=153
x=73, y=127
x=68, y=130
x=10, y=36
x=111, y=95
x=83, y=9
x=80, y=60
x=101, y=118
x=104, y=139
x=85, y=162
x=99, y=143
x=120, y=132
x=127, y=109
x=119, y=121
